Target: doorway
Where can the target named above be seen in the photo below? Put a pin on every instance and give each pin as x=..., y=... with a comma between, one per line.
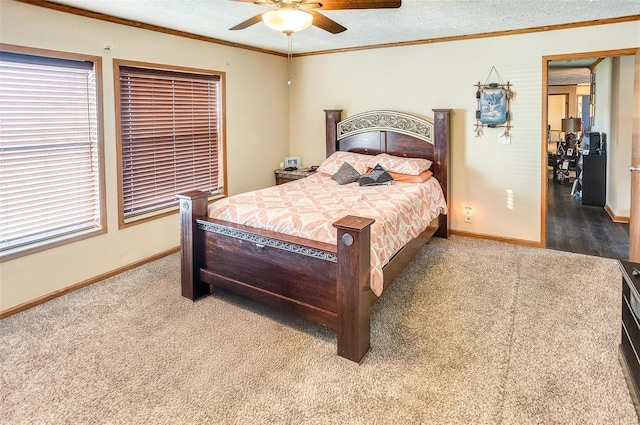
x=566, y=224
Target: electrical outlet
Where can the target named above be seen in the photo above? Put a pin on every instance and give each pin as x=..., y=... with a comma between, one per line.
x=467, y=214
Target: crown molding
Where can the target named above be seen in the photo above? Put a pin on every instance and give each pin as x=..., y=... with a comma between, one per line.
x=480, y=35
x=128, y=22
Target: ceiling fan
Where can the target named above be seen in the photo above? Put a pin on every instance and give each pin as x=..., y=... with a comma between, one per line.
x=290, y=16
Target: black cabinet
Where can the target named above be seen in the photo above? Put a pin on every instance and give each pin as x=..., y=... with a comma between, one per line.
x=594, y=180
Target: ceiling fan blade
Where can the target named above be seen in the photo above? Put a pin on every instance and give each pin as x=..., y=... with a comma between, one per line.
x=321, y=21
x=359, y=4
x=247, y=23
x=310, y=4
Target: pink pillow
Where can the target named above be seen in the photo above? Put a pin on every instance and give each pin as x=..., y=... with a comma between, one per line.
x=396, y=164
x=332, y=164
x=410, y=178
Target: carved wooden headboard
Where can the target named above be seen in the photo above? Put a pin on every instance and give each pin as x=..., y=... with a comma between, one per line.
x=394, y=133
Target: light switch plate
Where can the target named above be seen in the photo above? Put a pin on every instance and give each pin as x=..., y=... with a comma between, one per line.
x=504, y=140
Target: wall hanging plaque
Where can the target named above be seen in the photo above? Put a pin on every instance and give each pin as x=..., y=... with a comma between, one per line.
x=493, y=109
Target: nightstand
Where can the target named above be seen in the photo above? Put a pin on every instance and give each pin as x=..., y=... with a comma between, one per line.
x=283, y=176
x=630, y=345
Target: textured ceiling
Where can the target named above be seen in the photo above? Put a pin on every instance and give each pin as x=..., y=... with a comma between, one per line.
x=415, y=20
x=560, y=76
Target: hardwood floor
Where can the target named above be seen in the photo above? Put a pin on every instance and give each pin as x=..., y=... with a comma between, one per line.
x=582, y=229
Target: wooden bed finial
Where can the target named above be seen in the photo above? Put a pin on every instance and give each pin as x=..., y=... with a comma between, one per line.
x=332, y=118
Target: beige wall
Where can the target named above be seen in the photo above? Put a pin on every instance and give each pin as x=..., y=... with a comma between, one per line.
x=502, y=183
x=613, y=118
x=619, y=142
x=601, y=121
x=562, y=101
x=257, y=129
x=555, y=117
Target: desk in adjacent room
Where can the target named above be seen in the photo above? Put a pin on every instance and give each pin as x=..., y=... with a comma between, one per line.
x=557, y=162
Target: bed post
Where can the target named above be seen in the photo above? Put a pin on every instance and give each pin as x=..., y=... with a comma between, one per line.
x=353, y=290
x=442, y=137
x=192, y=205
x=332, y=118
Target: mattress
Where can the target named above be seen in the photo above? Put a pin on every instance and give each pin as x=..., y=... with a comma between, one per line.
x=308, y=207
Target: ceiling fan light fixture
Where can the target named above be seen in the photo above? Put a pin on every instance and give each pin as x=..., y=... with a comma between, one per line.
x=287, y=21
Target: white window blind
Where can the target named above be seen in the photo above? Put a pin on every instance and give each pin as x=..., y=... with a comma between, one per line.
x=169, y=136
x=49, y=156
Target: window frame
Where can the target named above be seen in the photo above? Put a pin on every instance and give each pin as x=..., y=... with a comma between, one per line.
x=124, y=222
x=101, y=226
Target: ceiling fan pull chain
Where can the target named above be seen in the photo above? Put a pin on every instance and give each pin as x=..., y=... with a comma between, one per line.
x=289, y=58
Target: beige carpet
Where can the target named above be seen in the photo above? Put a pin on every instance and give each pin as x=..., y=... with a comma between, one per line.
x=473, y=332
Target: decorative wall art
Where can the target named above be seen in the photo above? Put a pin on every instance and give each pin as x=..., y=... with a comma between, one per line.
x=493, y=105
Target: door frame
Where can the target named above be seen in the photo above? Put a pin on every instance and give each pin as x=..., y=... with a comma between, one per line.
x=545, y=108
x=634, y=217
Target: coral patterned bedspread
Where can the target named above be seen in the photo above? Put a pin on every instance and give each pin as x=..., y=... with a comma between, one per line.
x=308, y=207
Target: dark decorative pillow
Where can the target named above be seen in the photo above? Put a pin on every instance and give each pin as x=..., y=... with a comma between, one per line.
x=346, y=174
x=377, y=176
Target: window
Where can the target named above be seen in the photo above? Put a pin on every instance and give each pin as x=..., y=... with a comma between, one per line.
x=169, y=137
x=50, y=150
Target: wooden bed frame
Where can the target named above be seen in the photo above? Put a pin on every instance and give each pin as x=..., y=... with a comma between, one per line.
x=326, y=283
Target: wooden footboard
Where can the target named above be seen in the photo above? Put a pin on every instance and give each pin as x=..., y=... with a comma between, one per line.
x=314, y=280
